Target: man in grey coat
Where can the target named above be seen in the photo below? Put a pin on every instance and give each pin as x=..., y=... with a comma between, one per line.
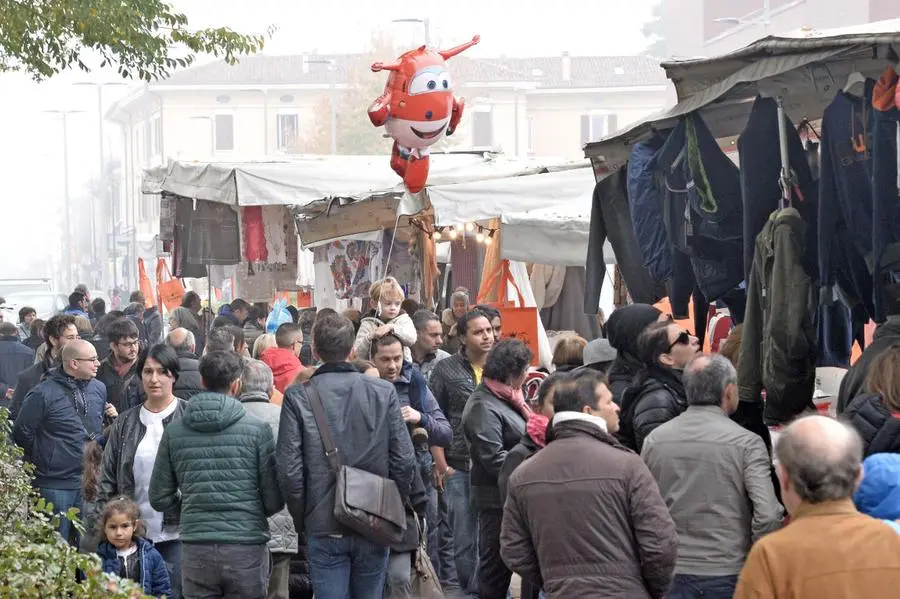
x=257, y=385
x=714, y=475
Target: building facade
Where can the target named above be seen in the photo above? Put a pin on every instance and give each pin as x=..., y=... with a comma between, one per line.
x=712, y=27
x=258, y=108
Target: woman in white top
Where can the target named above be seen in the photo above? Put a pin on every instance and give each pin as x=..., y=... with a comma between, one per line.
x=131, y=449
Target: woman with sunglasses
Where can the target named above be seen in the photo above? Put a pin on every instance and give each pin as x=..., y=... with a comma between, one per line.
x=657, y=393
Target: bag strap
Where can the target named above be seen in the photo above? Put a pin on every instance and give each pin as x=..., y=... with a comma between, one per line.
x=318, y=410
x=893, y=524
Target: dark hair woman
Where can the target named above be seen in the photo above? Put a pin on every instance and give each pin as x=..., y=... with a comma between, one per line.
x=657, y=393
x=493, y=422
x=131, y=448
x=875, y=414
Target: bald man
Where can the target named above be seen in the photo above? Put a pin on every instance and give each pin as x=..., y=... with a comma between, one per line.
x=58, y=416
x=189, y=382
x=829, y=551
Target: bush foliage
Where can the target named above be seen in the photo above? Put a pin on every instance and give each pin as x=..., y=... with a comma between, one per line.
x=34, y=560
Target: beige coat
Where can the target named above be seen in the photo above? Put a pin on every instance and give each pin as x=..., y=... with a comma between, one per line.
x=828, y=551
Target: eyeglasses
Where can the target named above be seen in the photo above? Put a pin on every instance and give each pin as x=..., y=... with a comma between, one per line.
x=683, y=338
x=134, y=343
x=94, y=359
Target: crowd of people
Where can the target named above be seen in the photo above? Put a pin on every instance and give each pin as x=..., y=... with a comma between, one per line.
x=196, y=453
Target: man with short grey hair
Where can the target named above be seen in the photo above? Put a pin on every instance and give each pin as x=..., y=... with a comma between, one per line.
x=830, y=551
x=257, y=385
x=714, y=476
x=189, y=382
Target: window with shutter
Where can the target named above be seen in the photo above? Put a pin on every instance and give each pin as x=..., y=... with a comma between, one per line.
x=224, y=132
x=482, y=129
x=288, y=130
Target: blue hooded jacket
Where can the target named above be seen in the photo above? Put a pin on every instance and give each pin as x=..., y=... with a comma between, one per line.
x=879, y=493
x=154, y=575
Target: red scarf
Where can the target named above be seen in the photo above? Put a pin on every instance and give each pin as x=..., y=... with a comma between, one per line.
x=512, y=396
x=537, y=428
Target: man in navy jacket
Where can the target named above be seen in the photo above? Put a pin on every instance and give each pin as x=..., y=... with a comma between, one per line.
x=57, y=418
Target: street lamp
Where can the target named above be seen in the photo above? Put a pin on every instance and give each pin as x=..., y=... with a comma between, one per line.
x=426, y=23
x=332, y=99
x=68, y=229
x=104, y=184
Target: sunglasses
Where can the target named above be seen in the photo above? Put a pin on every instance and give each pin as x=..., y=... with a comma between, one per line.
x=683, y=338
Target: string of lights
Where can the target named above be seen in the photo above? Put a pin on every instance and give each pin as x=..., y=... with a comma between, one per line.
x=480, y=233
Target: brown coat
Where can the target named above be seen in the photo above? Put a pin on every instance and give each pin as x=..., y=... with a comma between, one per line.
x=828, y=551
x=584, y=518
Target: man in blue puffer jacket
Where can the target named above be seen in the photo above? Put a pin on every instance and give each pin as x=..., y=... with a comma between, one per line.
x=57, y=418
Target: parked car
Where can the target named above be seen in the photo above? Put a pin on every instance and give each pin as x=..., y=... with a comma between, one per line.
x=46, y=303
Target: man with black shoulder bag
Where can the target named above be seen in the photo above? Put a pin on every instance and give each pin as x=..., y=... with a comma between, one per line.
x=346, y=466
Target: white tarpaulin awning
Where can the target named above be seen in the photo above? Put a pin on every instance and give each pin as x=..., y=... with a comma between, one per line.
x=304, y=180
x=466, y=201
x=806, y=68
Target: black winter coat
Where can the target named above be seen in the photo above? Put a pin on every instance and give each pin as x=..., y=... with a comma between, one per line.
x=657, y=400
x=852, y=385
x=368, y=430
x=452, y=381
x=15, y=358
x=518, y=454
x=189, y=382
x=492, y=428
x=879, y=429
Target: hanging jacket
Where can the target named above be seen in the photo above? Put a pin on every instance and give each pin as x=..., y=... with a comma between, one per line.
x=885, y=197
x=702, y=210
x=645, y=203
x=760, y=160
x=778, y=346
x=845, y=182
x=610, y=217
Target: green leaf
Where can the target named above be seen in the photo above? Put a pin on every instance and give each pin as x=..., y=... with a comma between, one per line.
x=44, y=37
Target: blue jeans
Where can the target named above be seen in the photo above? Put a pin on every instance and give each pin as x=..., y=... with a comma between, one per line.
x=171, y=554
x=705, y=587
x=346, y=567
x=464, y=524
x=63, y=500
x=440, y=540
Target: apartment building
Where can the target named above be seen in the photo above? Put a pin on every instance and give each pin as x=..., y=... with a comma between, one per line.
x=711, y=27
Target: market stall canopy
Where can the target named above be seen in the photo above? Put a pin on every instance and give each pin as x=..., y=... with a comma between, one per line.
x=544, y=218
x=806, y=68
x=303, y=181
x=476, y=193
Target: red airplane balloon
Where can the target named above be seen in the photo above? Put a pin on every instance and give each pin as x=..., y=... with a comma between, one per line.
x=417, y=108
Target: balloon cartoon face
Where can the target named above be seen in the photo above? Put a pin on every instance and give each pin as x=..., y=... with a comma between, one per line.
x=420, y=118
x=417, y=108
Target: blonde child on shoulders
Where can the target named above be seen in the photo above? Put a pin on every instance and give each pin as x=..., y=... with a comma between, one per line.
x=385, y=318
